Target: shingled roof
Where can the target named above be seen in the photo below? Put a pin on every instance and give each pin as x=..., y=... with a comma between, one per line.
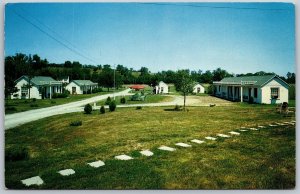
x=254, y=80
x=84, y=83
x=40, y=80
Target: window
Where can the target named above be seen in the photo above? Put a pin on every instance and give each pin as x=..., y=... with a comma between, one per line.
x=255, y=92
x=24, y=90
x=275, y=93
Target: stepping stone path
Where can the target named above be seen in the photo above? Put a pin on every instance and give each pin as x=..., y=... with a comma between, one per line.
x=66, y=172
x=96, y=164
x=243, y=130
x=261, y=127
x=253, y=129
x=123, y=157
x=279, y=124
x=234, y=133
x=271, y=125
x=146, y=153
x=36, y=180
x=183, y=145
x=166, y=148
x=243, y=127
x=210, y=138
x=223, y=135
x=197, y=141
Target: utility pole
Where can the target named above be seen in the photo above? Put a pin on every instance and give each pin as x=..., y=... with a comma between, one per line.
x=114, y=80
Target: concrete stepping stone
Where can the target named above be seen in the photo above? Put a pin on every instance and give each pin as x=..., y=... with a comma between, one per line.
x=262, y=127
x=243, y=127
x=197, y=141
x=222, y=135
x=166, y=148
x=123, y=157
x=293, y=121
x=243, y=130
x=146, y=153
x=183, y=145
x=36, y=180
x=66, y=172
x=234, y=133
x=279, y=124
x=210, y=138
x=253, y=129
x=96, y=164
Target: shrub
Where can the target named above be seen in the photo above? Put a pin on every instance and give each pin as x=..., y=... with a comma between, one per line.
x=139, y=108
x=34, y=105
x=76, y=123
x=17, y=153
x=112, y=106
x=62, y=95
x=177, y=108
x=108, y=101
x=251, y=100
x=88, y=109
x=102, y=109
x=96, y=90
x=12, y=108
x=33, y=99
x=123, y=100
x=53, y=102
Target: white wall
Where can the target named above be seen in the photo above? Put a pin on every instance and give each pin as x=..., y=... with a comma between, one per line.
x=72, y=84
x=34, y=92
x=195, y=90
x=160, y=86
x=283, y=92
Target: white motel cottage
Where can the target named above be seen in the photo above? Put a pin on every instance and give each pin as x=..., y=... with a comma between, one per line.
x=81, y=86
x=198, y=88
x=267, y=89
x=41, y=87
x=161, y=88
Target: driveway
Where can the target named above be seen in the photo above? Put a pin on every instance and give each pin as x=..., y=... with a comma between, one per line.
x=13, y=120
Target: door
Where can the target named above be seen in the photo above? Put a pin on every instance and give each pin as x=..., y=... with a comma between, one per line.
x=73, y=90
x=249, y=93
x=198, y=90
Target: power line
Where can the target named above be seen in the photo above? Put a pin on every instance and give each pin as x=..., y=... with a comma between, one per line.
x=54, y=32
x=49, y=35
x=213, y=7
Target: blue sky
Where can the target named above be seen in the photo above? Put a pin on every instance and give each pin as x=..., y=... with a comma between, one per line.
x=239, y=37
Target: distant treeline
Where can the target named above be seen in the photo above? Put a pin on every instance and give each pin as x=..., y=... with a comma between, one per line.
x=32, y=65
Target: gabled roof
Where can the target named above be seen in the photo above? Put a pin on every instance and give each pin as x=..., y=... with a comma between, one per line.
x=161, y=82
x=250, y=80
x=196, y=83
x=40, y=80
x=84, y=82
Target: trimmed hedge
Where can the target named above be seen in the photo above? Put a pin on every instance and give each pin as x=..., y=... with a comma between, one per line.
x=88, y=109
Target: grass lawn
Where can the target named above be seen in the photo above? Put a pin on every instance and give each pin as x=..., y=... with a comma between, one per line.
x=149, y=99
x=262, y=159
x=20, y=105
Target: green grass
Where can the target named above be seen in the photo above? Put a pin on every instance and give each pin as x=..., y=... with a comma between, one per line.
x=20, y=105
x=149, y=99
x=254, y=160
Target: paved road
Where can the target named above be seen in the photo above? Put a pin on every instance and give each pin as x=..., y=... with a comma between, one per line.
x=13, y=120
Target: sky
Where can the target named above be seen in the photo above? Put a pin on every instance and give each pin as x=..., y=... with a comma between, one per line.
x=237, y=37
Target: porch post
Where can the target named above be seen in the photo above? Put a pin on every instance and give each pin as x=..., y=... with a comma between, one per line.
x=241, y=93
x=233, y=92
x=50, y=91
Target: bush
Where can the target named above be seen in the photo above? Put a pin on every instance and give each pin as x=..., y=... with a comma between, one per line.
x=34, y=105
x=88, y=109
x=12, y=108
x=62, y=95
x=102, y=109
x=53, y=102
x=112, y=106
x=139, y=108
x=76, y=123
x=96, y=90
x=16, y=154
x=251, y=100
x=177, y=108
x=33, y=99
x=123, y=100
x=108, y=101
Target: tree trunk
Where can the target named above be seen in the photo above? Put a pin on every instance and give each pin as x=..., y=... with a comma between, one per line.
x=184, y=96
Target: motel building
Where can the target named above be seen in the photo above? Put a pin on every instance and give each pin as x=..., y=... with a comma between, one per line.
x=267, y=89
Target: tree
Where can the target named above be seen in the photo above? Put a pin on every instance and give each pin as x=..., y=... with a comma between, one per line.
x=219, y=74
x=184, y=84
